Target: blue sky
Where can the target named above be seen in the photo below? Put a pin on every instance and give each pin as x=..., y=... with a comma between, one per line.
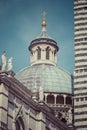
x=20, y=23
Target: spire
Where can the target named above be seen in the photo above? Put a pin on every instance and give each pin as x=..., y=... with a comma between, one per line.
x=44, y=23
x=44, y=19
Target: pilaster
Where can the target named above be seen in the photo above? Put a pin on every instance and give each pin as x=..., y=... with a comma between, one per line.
x=64, y=99
x=40, y=124
x=3, y=107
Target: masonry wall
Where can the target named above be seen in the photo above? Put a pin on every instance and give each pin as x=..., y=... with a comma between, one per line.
x=15, y=113
x=3, y=107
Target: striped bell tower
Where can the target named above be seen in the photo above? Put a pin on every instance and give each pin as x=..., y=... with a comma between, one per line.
x=80, y=72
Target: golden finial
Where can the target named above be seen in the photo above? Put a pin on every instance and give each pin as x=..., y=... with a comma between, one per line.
x=44, y=19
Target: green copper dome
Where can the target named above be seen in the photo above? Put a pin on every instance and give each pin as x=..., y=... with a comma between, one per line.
x=51, y=78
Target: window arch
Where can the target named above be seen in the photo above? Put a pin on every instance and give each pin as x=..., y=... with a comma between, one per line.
x=60, y=99
x=68, y=100
x=39, y=53
x=54, y=53
x=20, y=124
x=50, y=99
x=47, y=53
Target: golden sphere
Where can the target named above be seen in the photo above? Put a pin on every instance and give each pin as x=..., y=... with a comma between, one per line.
x=43, y=23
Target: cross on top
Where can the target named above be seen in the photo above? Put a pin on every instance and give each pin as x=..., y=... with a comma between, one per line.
x=44, y=15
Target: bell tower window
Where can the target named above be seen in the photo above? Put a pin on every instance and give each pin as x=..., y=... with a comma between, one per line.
x=39, y=53
x=47, y=53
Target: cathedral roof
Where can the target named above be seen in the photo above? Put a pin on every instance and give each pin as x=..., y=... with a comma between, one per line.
x=51, y=78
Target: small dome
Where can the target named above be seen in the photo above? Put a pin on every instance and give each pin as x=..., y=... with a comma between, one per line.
x=52, y=78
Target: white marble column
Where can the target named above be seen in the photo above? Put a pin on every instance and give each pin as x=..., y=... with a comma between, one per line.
x=64, y=99
x=55, y=98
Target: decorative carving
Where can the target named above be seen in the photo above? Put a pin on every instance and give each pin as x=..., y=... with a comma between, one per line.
x=10, y=64
x=4, y=60
x=70, y=115
x=19, y=113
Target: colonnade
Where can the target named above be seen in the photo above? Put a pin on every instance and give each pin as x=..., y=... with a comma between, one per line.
x=43, y=53
x=56, y=99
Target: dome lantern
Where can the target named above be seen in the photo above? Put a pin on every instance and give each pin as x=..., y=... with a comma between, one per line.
x=43, y=49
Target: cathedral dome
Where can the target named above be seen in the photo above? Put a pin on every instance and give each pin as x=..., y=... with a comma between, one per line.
x=51, y=78
x=43, y=70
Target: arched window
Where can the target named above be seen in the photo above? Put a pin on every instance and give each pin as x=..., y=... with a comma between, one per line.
x=68, y=100
x=39, y=53
x=20, y=124
x=59, y=99
x=17, y=126
x=50, y=99
x=47, y=53
x=54, y=53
